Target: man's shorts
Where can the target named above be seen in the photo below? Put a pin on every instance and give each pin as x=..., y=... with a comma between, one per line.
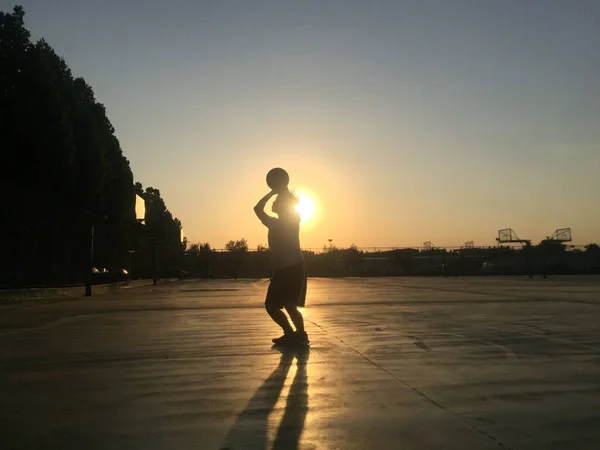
x=287, y=288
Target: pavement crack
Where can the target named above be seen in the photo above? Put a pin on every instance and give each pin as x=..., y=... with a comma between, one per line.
x=415, y=390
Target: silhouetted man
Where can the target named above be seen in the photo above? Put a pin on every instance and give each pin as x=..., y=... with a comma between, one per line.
x=288, y=284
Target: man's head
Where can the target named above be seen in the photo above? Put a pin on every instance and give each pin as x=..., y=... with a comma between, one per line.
x=285, y=204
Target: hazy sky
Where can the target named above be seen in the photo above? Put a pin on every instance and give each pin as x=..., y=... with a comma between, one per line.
x=411, y=121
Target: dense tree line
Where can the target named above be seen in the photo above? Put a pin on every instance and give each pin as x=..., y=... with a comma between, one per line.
x=546, y=258
x=63, y=171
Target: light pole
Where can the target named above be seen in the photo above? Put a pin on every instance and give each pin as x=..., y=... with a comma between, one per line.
x=88, y=278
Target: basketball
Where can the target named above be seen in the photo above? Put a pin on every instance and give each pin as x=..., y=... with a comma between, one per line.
x=277, y=178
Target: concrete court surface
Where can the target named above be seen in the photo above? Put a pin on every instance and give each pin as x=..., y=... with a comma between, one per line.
x=394, y=363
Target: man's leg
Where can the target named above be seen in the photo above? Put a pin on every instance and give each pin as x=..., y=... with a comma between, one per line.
x=273, y=303
x=279, y=317
x=296, y=317
x=300, y=336
x=296, y=293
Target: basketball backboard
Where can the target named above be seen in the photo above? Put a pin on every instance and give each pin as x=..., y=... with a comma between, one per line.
x=562, y=235
x=508, y=236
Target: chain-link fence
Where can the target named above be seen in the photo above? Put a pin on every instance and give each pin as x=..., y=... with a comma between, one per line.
x=371, y=261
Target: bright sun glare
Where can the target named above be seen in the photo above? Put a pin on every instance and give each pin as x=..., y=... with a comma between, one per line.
x=305, y=207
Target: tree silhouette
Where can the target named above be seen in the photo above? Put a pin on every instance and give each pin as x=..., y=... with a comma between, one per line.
x=199, y=259
x=65, y=172
x=205, y=248
x=237, y=250
x=239, y=246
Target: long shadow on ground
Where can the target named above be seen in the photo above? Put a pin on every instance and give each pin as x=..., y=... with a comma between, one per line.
x=251, y=426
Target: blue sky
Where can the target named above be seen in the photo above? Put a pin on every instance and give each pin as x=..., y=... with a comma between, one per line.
x=408, y=121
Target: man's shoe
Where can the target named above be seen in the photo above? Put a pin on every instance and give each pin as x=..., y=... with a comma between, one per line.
x=301, y=338
x=285, y=339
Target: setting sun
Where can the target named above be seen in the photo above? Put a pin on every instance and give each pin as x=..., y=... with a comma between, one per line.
x=306, y=207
